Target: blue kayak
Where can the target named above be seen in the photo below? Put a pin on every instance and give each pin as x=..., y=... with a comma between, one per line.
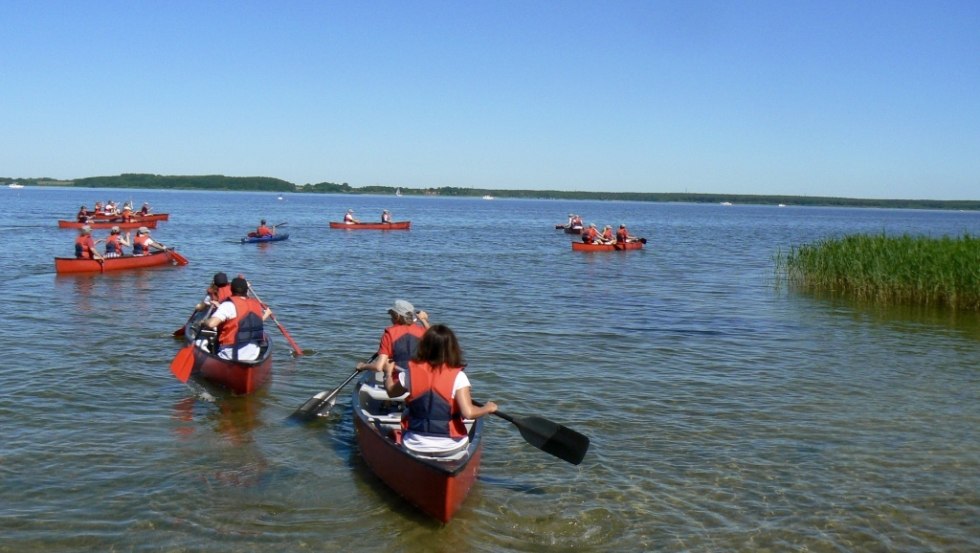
x=251, y=239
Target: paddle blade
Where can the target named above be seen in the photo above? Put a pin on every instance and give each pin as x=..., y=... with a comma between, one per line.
x=181, y=260
x=183, y=363
x=320, y=403
x=180, y=332
x=551, y=437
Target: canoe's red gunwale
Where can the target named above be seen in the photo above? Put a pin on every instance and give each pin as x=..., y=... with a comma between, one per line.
x=583, y=247
x=396, y=225
x=64, y=265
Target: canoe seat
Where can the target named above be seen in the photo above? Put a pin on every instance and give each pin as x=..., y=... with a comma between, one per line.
x=380, y=394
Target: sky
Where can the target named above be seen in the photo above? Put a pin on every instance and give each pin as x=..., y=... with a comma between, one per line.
x=873, y=99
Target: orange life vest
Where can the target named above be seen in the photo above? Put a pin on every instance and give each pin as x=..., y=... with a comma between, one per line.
x=112, y=245
x=139, y=244
x=245, y=328
x=83, y=246
x=399, y=342
x=431, y=407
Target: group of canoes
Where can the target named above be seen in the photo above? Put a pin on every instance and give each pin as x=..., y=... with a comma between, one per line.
x=145, y=252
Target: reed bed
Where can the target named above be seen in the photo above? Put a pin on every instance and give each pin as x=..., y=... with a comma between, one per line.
x=917, y=270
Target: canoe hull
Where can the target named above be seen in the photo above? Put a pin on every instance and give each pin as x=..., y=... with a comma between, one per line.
x=437, y=488
x=65, y=265
x=105, y=225
x=572, y=230
x=259, y=240
x=240, y=378
x=102, y=217
x=583, y=247
x=397, y=225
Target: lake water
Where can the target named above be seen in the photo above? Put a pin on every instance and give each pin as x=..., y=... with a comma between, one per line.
x=726, y=412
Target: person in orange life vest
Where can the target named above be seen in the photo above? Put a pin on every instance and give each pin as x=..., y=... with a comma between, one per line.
x=85, y=246
x=115, y=242
x=607, y=236
x=385, y=216
x=238, y=320
x=590, y=234
x=349, y=217
x=576, y=221
x=97, y=210
x=400, y=340
x=438, y=394
x=127, y=214
x=623, y=235
x=145, y=210
x=142, y=242
x=264, y=230
x=219, y=291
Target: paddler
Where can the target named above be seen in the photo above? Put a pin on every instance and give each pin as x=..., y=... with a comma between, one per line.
x=115, y=242
x=85, y=245
x=142, y=242
x=400, y=340
x=349, y=217
x=238, y=321
x=590, y=235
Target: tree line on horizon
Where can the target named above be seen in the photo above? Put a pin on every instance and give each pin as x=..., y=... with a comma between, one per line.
x=269, y=184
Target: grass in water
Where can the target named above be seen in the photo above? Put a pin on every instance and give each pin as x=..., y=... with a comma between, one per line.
x=916, y=270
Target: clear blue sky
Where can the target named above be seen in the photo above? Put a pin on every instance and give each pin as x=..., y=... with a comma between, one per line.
x=873, y=99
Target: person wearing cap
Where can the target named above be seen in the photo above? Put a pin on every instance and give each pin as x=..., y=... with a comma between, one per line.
x=127, y=214
x=145, y=210
x=239, y=322
x=264, y=229
x=607, y=236
x=142, y=242
x=385, y=216
x=85, y=245
x=623, y=235
x=574, y=220
x=590, y=235
x=82, y=216
x=398, y=341
x=349, y=217
x=115, y=242
x=438, y=397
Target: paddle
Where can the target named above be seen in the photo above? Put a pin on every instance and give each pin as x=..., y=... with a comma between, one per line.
x=181, y=260
x=282, y=329
x=323, y=401
x=183, y=363
x=550, y=437
x=182, y=331
x=282, y=224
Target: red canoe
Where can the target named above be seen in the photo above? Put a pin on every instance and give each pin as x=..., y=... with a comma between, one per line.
x=583, y=247
x=397, y=225
x=437, y=487
x=63, y=265
x=238, y=376
x=136, y=217
x=101, y=225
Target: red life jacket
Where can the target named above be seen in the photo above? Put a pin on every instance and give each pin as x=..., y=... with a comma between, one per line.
x=621, y=235
x=607, y=234
x=83, y=246
x=589, y=235
x=112, y=245
x=221, y=294
x=399, y=342
x=139, y=244
x=245, y=328
x=263, y=231
x=431, y=407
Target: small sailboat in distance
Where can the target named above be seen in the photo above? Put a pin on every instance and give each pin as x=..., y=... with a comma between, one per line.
x=398, y=191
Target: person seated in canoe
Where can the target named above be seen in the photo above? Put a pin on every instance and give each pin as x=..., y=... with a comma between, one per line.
x=145, y=210
x=438, y=395
x=97, y=210
x=239, y=322
x=85, y=245
x=82, y=215
x=115, y=242
x=217, y=292
x=607, y=236
x=623, y=235
x=349, y=217
x=263, y=230
x=575, y=221
x=127, y=215
x=143, y=244
x=400, y=340
x=110, y=208
x=590, y=235
x=385, y=216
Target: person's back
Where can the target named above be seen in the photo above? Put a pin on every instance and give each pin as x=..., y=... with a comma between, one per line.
x=590, y=234
x=239, y=321
x=263, y=230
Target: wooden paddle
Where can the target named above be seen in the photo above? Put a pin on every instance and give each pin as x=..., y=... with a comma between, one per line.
x=183, y=363
x=550, y=437
x=282, y=329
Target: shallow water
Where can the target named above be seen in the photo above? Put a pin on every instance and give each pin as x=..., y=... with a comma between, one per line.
x=726, y=412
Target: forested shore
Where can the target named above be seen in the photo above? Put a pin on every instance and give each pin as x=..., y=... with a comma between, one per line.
x=269, y=184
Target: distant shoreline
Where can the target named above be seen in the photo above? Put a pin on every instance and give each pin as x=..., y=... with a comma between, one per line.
x=269, y=184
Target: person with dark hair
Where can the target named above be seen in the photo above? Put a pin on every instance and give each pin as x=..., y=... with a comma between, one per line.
x=217, y=292
x=264, y=230
x=438, y=395
x=238, y=321
x=399, y=340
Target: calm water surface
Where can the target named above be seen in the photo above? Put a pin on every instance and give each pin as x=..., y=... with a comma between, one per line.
x=726, y=413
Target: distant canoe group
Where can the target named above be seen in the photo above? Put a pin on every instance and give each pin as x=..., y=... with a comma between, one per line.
x=594, y=241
